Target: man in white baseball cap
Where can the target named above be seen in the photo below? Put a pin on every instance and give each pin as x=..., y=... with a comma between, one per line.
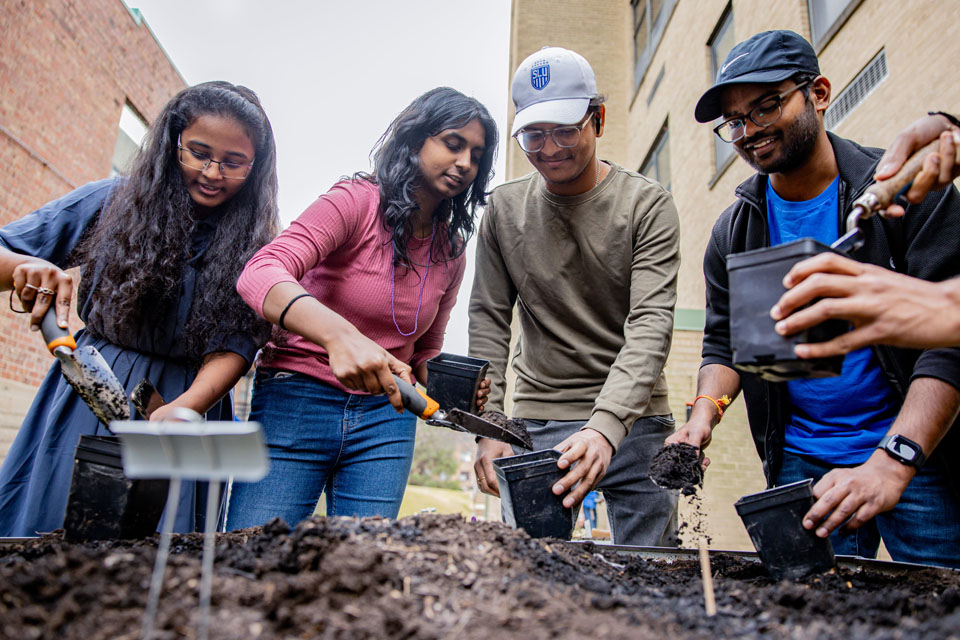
x=588, y=253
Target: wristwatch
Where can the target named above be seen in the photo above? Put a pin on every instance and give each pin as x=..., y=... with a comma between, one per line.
x=903, y=450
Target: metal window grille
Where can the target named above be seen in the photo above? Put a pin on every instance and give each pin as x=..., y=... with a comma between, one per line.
x=857, y=91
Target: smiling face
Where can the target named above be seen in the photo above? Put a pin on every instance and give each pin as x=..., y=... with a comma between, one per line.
x=222, y=139
x=785, y=145
x=450, y=160
x=564, y=168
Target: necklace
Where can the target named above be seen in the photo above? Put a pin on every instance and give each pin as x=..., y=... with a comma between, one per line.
x=423, y=282
x=597, y=181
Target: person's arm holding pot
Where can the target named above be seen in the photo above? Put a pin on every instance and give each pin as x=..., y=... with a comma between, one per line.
x=491, y=311
x=629, y=385
x=851, y=497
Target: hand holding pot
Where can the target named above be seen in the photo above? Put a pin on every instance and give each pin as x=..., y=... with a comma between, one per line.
x=885, y=307
x=939, y=169
x=482, y=392
x=852, y=497
x=487, y=451
x=589, y=452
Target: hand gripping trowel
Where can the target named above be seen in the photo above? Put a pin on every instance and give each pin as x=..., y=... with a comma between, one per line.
x=429, y=409
x=879, y=196
x=87, y=372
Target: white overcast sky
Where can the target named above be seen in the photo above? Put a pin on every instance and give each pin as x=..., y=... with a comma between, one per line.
x=332, y=74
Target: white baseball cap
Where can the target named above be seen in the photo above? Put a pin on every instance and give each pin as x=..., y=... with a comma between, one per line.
x=553, y=85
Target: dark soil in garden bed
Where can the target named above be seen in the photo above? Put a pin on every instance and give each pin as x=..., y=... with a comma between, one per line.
x=441, y=577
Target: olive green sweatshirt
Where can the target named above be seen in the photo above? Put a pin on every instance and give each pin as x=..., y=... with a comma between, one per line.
x=594, y=280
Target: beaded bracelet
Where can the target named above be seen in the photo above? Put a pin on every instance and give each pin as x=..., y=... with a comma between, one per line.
x=721, y=404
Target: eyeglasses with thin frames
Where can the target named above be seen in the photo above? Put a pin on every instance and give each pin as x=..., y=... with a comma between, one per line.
x=763, y=115
x=564, y=137
x=200, y=161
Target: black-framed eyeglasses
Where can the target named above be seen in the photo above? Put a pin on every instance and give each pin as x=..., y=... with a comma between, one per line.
x=564, y=137
x=200, y=161
x=763, y=115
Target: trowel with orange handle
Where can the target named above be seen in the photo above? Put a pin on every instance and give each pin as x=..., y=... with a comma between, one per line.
x=429, y=409
x=87, y=372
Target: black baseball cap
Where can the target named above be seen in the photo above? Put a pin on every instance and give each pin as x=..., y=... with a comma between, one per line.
x=768, y=57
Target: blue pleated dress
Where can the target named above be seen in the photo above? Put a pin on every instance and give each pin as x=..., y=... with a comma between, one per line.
x=35, y=476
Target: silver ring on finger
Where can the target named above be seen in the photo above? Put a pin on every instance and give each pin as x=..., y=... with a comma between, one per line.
x=31, y=286
x=44, y=291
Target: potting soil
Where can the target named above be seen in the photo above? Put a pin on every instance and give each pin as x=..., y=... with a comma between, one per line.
x=437, y=576
x=677, y=466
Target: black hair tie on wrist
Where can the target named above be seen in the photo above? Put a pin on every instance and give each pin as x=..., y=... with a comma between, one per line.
x=287, y=308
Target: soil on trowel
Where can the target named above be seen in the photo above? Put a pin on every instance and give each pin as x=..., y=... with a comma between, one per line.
x=433, y=577
x=678, y=466
x=513, y=425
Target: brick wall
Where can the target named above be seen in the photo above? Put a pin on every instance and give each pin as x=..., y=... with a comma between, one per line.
x=66, y=70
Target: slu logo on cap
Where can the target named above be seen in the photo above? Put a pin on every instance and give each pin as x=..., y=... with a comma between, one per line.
x=540, y=74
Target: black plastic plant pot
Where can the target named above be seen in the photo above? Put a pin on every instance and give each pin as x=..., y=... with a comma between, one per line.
x=756, y=284
x=773, y=519
x=453, y=381
x=104, y=504
x=526, y=494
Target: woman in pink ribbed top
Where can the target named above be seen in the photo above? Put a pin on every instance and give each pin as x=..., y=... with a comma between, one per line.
x=361, y=286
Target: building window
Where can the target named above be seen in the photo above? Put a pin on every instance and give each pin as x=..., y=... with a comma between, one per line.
x=720, y=43
x=650, y=19
x=826, y=17
x=132, y=133
x=657, y=163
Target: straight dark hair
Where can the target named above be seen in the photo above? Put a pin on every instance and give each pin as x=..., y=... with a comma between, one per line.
x=137, y=251
x=396, y=169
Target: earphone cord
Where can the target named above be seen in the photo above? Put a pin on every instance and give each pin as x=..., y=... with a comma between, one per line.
x=393, y=287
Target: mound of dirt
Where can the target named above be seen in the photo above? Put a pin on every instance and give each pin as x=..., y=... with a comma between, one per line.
x=437, y=577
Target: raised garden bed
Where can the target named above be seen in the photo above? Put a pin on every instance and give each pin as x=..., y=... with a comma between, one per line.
x=441, y=577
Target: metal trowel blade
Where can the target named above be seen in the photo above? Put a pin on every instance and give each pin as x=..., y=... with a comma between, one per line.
x=463, y=421
x=93, y=379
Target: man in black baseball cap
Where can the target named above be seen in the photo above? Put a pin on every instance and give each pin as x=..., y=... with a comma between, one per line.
x=862, y=436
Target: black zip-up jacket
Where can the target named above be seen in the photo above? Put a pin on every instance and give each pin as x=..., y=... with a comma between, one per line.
x=924, y=244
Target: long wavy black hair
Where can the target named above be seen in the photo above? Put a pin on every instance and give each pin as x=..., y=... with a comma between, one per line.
x=396, y=169
x=139, y=246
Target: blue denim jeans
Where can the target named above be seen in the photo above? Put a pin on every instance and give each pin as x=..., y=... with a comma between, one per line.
x=924, y=527
x=640, y=512
x=355, y=447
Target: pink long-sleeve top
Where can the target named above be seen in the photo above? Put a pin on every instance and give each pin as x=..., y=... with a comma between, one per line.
x=340, y=252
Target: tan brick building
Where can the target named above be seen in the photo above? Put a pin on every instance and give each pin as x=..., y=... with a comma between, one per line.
x=889, y=62
x=80, y=79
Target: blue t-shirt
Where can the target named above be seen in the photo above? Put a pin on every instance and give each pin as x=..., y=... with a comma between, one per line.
x=836, y=420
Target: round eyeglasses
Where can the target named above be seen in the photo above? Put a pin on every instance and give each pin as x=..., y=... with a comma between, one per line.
x=532, y=140
x=200, y=161
x=763, y=115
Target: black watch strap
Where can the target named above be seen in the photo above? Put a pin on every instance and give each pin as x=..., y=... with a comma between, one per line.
x=903, y=450
x=952, y=119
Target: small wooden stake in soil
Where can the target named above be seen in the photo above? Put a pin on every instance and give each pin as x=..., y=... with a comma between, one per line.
x=707, y=576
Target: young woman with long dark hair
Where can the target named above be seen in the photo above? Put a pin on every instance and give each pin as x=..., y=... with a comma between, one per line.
x=159, y=255
x=361, y=286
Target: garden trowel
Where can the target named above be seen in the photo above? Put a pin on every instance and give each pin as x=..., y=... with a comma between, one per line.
x=429, y=409
x=87, y=372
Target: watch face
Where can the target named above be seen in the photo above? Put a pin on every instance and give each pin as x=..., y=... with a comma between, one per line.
x=903, y=449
